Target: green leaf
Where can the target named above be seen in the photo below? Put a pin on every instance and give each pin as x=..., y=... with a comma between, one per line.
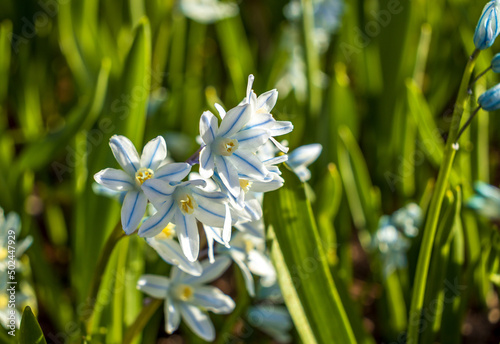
x=30, y=331
x=308, y=288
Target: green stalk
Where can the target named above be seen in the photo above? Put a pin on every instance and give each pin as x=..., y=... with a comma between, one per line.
x=424, y=256
x=312, y=59
x=110, y=244
x=141, y=320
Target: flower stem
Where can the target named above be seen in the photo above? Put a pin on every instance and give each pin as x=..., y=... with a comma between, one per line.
x=424, y=256
x=110, y=244
x=141, y=320
x=480, y=75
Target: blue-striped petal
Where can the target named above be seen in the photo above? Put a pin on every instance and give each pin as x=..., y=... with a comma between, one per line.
x=212, y=299
x=155, y=286
x=266, y=101
x=210, y=212
x=208, y=127
x=252, y=139
x=125, y=153
x=198, y=321
x=228, y=175
x=173, y=172
x=234, y=120
x=114, y=179
x=249, y=164
x=156, y=223
x=172, y=315
x=133, y=209
x=207, y=161
x=170, y=251
x=153, y=153
x=187, y=232
x=304, y=155
x=211, y=271
x=157, y=191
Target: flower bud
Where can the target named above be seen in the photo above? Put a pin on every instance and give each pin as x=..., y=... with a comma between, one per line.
x=488, y=27
x=495, y=63
x=490, y=100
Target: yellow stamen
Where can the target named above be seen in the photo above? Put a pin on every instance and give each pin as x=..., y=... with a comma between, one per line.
x=227, y=147
x=167, y=232
x=184, y=292
x=144, y=174
x=245, y=184
x=187, y=204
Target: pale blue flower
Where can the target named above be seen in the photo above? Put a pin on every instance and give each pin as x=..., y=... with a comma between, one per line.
x=486, y=201
x=274, y=320
x=135, y=171
x=8, y=223
x=170, y=251
x=488, y=27
x=408, y=219
x=300, y=158
x=490, y=100
x=248, y=251
x=188, y=297
x=183, y=203
x=208, y=11
x=495, y=63
x=392, y=246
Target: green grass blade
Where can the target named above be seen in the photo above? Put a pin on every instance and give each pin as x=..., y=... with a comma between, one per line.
x=30, y=331
x=310, y=292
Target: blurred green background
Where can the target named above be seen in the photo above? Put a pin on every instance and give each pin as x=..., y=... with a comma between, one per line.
x=376, y=90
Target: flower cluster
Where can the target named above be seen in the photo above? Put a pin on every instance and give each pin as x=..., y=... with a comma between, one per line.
x=391, y=239
x=166, y=203
x=486, y=201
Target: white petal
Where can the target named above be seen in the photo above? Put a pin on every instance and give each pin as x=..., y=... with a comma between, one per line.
x=210, y=212
x=172, y=315
x=228, y=175
x=260, y=121
x=266, y=101
x=303, y=173
x=170, y=251
x=220, y=109
x=281, y=128
x=156, y=223
x=125, y=153
x=133, y=209
x=208, y=127
x=158, y=191
x=252, y=139
x=207, y=160
x=248, y=164
x=234, y=120
x=153, y=285
x=304, y=155
x=247, y=276
x=211, y=271
x=274, y=184
x=213, y=234
x=198, y=321
x=260, y=264
x=276, y=160
x=228, y=225
x=187, y=232
x=114, y=179
x=281, y=147
x=173, y=172
x=252, y=210
x=212, y=299
x=153, y=153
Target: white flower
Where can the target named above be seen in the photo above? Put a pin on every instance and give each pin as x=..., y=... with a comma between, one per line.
x=170, y=251
x=273, y=320
x=11, y=222
x=248, y=251
x=301, y=157
x=135, y=172
x=182, y=204
x=188, y=297
x=208, y=11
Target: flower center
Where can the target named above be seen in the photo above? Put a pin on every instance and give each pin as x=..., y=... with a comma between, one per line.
x=249, y=246
x=245, y=184
x=167, y=232
x=227, y=146
x=187, y=203
x=4, y=301
x=183, y=292
x=3, y=253
x=144, y=174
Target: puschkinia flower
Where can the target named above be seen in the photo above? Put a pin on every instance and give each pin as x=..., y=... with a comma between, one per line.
x=273, y=320
x=490, y=100
x=170, y=251
x=392, y=246
x=301, y=157
x=495, y=63
x=408, y=219
x=136, y=170
x=183, y=203
x=188, y=297
x=486, y=201
x=488, y=27
x=208, y=11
